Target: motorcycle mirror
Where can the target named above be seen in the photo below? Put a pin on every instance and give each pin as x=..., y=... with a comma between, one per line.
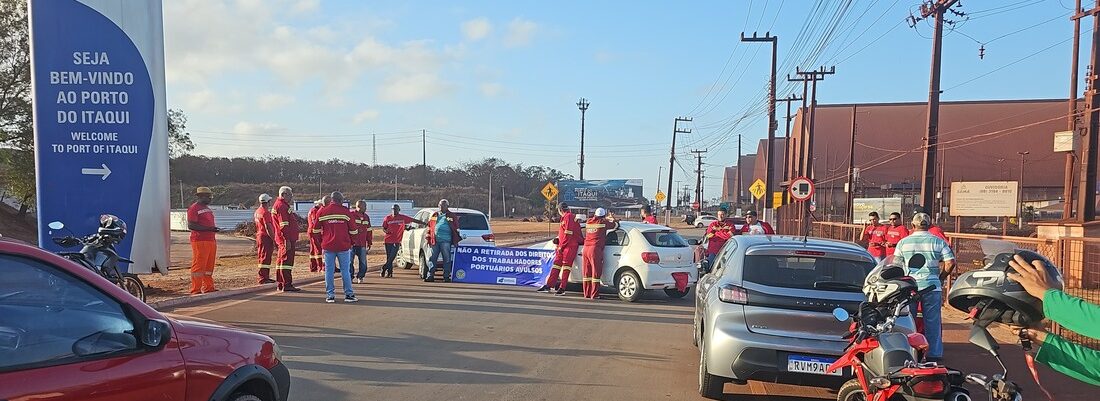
x=980, y=336
x=841, y=315
x=56, y=225
x=916, y=261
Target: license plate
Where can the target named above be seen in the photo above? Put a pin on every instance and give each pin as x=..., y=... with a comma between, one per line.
x=810, y=364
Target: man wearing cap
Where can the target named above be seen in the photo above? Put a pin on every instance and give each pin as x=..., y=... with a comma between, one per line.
x=565, y=253
x=753, y=226
x=286, y=237
x=718, y=233
x=362, y=241
x=394, y=228
x=265, y=240
x=204, y=246
x=338, y=230
x=595, y=238
x=442, y=234
x=316, y=257
x=934, y=250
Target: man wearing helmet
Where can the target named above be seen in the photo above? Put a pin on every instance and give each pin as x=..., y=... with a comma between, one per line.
x=934, y=250
x=595, y=239
x=204, y=245
x=265, y=238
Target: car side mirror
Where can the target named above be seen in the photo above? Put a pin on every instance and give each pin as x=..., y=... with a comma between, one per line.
x=555, y=241
x=693, y=242
x=980, y=336
x=841, y=315
x=56, y=225
x=156, y=333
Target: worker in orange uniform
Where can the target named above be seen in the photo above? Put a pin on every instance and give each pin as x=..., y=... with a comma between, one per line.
x=895, y=233
x=718, y=233
x=265, y=238
x=286, y=238
x=565, y=253
x=595, y=238
x=363, y=241
x=316, y=258
x=204, y=245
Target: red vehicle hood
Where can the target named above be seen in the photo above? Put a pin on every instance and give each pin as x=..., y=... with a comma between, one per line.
x=201, y=339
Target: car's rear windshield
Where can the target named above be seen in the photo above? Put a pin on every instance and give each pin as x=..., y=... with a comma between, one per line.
x=809, y=273
x=665, y=239
x=470, y=221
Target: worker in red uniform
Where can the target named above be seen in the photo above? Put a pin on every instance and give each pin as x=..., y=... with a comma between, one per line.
x=595, y=237
x=754, y=226
x=874, y=234
x=338, y=230
x=286, y=238
x=204, y=244
x=718, y=233
x=895, y=232
x=647, y=215
x=362, y=241
x=316, y=256
x=394, y=228
x=265, y=240
x=565, y=253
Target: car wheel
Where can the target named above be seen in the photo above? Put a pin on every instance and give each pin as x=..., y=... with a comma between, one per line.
x=400, y=261
x=695, y=332
x=629, y=286
x=710, y=386
x=133, y=285
x=851, y=391
x=423, y=266
x=244, y=397
x=676, y=294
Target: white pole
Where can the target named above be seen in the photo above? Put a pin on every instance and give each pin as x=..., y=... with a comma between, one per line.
x=490, y=194
x=504, y=201
x=395, y=186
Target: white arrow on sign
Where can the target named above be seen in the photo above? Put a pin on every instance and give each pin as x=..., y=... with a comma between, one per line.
x=105, y=172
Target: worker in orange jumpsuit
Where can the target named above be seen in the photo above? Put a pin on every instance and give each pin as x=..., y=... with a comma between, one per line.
x=286, y=238
x=265, y=238
x=595, y=238
x=316, y=256
x=204, y=245
x=565, y=253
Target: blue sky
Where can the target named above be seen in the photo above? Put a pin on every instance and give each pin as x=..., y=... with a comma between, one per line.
x=314, y=79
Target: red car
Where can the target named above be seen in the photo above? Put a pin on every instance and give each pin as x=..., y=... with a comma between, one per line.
x=68, y=334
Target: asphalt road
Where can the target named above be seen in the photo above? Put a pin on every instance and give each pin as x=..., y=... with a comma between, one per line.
x=409, y=340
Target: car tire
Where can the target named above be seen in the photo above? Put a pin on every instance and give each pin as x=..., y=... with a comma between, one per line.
x=423, y=266
x=629, y=286
x=851, y=391
x=710, y=386
x=244, y=397
x=400, y=261
x=676, y=294
x=695, y=332
x=133, y=285
x=700, y=225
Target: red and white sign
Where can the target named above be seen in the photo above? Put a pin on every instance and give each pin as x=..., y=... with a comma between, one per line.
x=802, y=189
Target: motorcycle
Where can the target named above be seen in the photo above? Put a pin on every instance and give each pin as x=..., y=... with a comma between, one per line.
x=998, y=387
x=98, y=254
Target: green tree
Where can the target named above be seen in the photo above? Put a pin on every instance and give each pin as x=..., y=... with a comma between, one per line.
x=16, y=126
x=179, y=140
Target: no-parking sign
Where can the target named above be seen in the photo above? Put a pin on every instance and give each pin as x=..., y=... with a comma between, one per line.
x=802, y=189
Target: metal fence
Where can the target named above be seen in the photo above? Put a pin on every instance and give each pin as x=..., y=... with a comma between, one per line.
x=1079, y=259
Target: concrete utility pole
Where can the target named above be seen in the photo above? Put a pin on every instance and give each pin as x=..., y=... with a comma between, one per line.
x=583, y=106
x=934, y=9
x=769, y=176
x=787, y=137
x=374, y=150
x=424, y=161
x=1086, y=193
x=815, y=76
x=672, y=159
x=699, y=177
x=740, y=192
x=1067, y=192
x=1020, y=218
x=851, y=169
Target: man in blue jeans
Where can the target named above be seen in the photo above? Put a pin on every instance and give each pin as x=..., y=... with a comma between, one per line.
x=934, y=250
x=338, y=228
x=442, y=234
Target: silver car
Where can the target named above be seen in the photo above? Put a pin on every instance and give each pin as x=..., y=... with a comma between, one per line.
x=765, y=311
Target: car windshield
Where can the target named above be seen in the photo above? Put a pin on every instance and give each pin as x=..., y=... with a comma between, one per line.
x=665, y=239
x=472, y=221
x=808, y=273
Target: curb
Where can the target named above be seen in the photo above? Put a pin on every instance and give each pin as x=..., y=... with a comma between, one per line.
x=220, y=295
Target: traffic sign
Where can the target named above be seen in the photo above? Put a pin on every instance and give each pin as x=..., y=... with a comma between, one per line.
x=757, y=189
x=802, y=189
x=100, y=122
x=695, y=205
x=549, y=191
x=660, y=197
x=777, y=199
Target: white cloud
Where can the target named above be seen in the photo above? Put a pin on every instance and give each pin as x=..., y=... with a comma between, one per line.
x=272, y=101
x=245, y=128
x=306, y=6
x=477, y=29
x=365, y=115
x=491, y=89
x=411, y=88
x=520, y=32
x=201, y=100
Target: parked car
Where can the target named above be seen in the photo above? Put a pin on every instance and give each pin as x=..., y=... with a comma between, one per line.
x=640, y=257
x=66, y=332
x=765, y=311
x=704, y=221
x=472, y=224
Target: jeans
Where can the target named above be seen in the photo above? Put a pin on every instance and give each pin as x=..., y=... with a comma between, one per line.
x=345, y=272
x=931, y=308
x=391, y=254
x=710, y=262
x=444, y=249
x=359, y=252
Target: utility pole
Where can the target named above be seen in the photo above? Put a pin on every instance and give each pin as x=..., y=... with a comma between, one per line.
x=490, y=194
x=374, y=150
x=740, y=185
x=660, y=169
x=1067, y=192
x=1020, y=217
x=851, y=170
x=934, y=9
x=583, y=106
x=787, y=136
x=814, y=76
x=424, y=160
x=672, y=159
x=769, y=176
x=806, y=143
x=504, y=201
x=1086, y=192
x=699, y=177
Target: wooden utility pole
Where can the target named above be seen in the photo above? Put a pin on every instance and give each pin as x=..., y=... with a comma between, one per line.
x=787, y=136
x=672, y=158
x=769, y=176
x=851, y=188
x=927, y=190
x=1086, y=195
x=802, y=130
x=699, y=177
x=813, y=77
x=1067, y=191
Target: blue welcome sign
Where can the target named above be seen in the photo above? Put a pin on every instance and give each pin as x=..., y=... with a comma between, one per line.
x=504, y=266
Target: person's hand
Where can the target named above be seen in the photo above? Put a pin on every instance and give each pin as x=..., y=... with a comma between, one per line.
x=1036, y=335
x=1033, y=277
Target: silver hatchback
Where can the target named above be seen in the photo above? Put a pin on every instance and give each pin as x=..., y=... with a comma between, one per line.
x=765, y=311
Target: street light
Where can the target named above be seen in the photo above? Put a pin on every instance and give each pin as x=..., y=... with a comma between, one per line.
x=1023, y=157
x=583, y=106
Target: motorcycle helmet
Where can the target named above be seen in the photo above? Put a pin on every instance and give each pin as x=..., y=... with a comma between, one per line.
x=112, y=226
x=990, y=296
x=888, y=281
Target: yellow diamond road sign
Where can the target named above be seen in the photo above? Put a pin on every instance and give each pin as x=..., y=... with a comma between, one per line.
x=550, y=191
x=660, y=197
x=757, y=189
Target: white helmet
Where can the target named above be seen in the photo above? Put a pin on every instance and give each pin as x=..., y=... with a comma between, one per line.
x=264, y=198
x=601, y=212
x=888, y=280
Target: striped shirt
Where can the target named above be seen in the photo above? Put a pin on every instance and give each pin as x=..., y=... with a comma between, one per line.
x=934, y=250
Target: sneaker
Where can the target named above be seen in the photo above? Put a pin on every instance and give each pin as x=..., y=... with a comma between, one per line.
x=544, y=288
x=429, y=280
x=330, y=299
x=351, y=298
x=357, y=280
x=560, y=291
x=267, y=281
x=389, y=274
x=291, y=289
x=382, y=274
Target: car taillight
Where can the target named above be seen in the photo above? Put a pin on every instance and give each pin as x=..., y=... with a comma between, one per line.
x=929, y=387
x=488, y=237
x=732, y=293
x=651, y=257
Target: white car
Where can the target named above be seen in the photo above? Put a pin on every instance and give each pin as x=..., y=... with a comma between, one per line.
x=704, y=221
x=472, y=224
x=640, y=257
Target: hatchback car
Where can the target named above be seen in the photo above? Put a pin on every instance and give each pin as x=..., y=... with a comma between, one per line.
x=765, y=311
x=640, y=257
x=68, y=333
x=472, y=224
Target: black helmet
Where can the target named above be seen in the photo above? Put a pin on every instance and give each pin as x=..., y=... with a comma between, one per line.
x=112, y=226
x=989, y=296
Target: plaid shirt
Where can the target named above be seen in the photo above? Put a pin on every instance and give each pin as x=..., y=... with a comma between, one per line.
x=934, y=249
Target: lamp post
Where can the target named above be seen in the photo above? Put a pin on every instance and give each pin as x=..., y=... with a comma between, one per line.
x=583, y=106
x=1023, y=157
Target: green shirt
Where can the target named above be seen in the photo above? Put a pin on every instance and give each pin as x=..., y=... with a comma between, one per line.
x=1073, y=360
